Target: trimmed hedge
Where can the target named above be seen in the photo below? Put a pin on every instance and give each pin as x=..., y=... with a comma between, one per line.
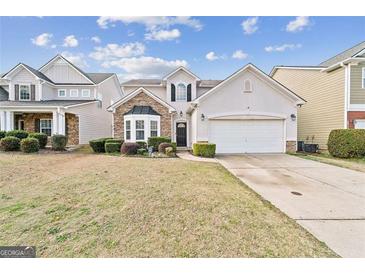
x=2, y=134
x=129, y=148
x=21, y=134
x=29, y=145
x=98, y=145
x=41, y=137
x=112, y=147
x=162, y=147
x=156, y=141
x=204, y=149
x=58, y=142
x=10, y=143
x=111, y=140
x=347, y=143
x=142, y=144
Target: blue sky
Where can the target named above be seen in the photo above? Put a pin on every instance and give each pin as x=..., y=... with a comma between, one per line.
x=145, y=47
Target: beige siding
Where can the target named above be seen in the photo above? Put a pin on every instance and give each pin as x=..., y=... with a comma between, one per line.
x=324, y=93
x=357, y=92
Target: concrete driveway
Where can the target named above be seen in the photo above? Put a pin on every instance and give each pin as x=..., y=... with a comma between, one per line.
x=328, y=201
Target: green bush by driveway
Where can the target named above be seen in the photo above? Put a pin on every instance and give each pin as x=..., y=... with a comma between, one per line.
x=347, y=143
x=204, y=150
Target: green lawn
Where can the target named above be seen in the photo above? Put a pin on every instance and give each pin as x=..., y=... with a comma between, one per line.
x=87, y=205
x=324, y=157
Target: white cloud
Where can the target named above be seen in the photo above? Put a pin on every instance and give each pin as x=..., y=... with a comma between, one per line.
x=114, y=51
x=298, y=24
x=249, y=26
x=77, y=59
x=150, y=22
x=70, y=41
x=162, y=35
x=144, y=66
x=211, y=56
x=239, y=54
x=282, y=48
x=42, y=40
x=96, y=39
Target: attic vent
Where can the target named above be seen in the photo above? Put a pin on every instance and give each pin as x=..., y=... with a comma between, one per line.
x=247, y=86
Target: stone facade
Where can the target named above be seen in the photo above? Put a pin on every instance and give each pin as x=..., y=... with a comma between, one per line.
x=29, y=119
x=291, y=146
x=353, y=115
x=72, y=129
x=142, y=100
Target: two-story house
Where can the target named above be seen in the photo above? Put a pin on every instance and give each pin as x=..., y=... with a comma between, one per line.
x=248, y=112
x=335, y=91
x=58, y=98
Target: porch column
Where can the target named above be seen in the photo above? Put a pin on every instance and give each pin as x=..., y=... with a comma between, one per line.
x=61, y=123
x=54, y=122
x=2, y=120
x=9, y=120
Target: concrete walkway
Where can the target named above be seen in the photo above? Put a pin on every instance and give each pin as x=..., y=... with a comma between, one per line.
x=328, y=201
x=186, y=155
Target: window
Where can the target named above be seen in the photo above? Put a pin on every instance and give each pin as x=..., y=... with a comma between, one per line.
x=363, y=77
x=139, y=129
x=85, y=93
x=61, y=93
x=46, y=126
x=154, y=128
x=74, y=93
x=128, y=130
x=247, y=86
x=24, y=91
x=181, y=92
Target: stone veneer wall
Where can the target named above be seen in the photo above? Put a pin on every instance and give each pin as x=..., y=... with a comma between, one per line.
x=142, y=100
x=29, y=120
x=72, y=130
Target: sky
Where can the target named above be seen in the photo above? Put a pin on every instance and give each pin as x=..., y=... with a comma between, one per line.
x=151, y=47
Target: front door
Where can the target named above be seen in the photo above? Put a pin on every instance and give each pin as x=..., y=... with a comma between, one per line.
x=181, y=134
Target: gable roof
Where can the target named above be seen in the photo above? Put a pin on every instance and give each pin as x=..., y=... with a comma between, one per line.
x=97, y=78
x=143, y=82
x=181, y=68
x=4, y=95
x=299, y=100
x=351, y=52
x=275, y=68
x=135, y=93
x=85, y=75
x=33, y=71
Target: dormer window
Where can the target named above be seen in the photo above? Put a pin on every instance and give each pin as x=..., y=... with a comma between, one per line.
x=247, y=86
x=181, y=92
x=24, y=91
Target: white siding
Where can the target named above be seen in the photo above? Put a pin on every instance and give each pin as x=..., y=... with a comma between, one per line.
x=23, y=76
x=62, y=72
x=158, y=91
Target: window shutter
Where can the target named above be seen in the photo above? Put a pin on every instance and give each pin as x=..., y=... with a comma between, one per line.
x=37, y=126
x=16, y=92
x=189, y=93
x=32, y=92
x=173, y=93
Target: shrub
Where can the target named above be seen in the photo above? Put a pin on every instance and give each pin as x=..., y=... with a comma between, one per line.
x=98, y=145
x=156, y=141
x=112, y=140
x=41, y=137
x=111, y=147
x=10, y=143
x=163, y=146
x=169, y=151
x=21, y=134
x=347, y=143
x=129, y=148
x=142, y=144
x=204, y=149
x=2, y=134
x=141, y=151
x=174, y=145
x=58, y=142
x=29, y=145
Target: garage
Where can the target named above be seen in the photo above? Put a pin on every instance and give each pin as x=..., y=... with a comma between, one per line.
x=247, y=136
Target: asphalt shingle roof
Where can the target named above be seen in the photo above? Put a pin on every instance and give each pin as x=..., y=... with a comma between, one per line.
x=344, y=55
x=99, y=77
x=57, y=103
x=147, y=110
x=4, y=95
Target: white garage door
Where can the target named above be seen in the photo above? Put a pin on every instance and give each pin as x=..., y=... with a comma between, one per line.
x=247, y=136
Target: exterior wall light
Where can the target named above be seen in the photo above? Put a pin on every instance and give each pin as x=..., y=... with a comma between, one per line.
x=202, y=117
x=293, y=117
x=181, y=113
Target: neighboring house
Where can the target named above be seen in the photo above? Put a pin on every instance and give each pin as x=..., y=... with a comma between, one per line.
x=58, y=98
x=248, y=112
x=335, y=91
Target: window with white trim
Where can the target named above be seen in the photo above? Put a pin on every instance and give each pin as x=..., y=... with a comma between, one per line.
x=85, y=93
x=153, y=128
x=363, y=78
x=139, y=129
x=61, y=93
x=45, y=126
x=181, y=92
x=74, y=92
x=127, y=129
x=24, y=92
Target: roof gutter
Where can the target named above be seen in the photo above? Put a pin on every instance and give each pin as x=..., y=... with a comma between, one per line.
x=347, y=61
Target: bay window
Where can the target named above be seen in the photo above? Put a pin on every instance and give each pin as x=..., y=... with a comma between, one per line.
x=139, y=129
x=153, y=128
x=127, y=129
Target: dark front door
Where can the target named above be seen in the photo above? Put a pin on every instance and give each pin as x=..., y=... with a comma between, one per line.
x=181, y=134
